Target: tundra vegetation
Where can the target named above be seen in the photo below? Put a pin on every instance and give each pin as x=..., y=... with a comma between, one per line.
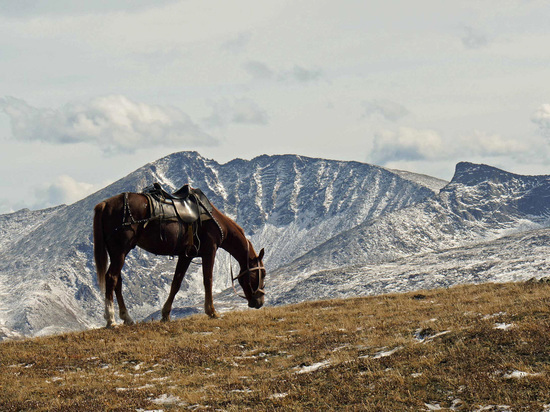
x=482, y=347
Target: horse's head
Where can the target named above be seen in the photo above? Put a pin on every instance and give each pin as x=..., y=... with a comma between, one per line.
x=251, y=279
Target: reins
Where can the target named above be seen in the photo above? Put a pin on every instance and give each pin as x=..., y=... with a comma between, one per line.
x=242, y=273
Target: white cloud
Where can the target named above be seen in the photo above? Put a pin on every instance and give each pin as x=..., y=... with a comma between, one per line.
x=258, y=70
x=542, y=119
x=262, y=71
x=64, y=190
x=406, y=144
x=247, y=111
x=409, y=144
x=238, y=43
x=31, y=8
x=484, y=144
x=239, y=111
x=473, y=39
x=385, y=108
x=6, y=206
x=114, y=123
x=301, y=74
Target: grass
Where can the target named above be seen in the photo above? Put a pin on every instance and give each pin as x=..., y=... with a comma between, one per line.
x=463, y=348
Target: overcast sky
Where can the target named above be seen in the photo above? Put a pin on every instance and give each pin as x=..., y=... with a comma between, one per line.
x=92, y=90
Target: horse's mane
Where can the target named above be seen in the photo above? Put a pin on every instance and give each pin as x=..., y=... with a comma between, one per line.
x=231, y=222
x=234, y=229
x=239, y=228
x=236, y=226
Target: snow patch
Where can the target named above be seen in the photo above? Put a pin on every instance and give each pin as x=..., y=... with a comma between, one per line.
x=520, y=375
x=278, y=395
x=382, y=353
x=312, y=368
x=166, y=399
x=503, y=326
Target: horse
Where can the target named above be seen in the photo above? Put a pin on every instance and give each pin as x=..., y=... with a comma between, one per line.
x=124, y=221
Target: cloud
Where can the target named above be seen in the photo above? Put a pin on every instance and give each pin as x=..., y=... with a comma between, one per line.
x=114, y=123
x=258, y=70
x=387, y=109
x=262, y=71
x=64, y=190
x=32, y=8
x=490, y=145
x=6, y=206
x=237, y=44
x=473, y=39
x=239, y=111
x=301, y=74
x=409, y=144
x=542, y=119
x=405, y=144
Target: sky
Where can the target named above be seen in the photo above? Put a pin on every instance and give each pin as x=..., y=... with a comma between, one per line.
x=92, y=90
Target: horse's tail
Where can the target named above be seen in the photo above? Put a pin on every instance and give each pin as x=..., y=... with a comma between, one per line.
x=100, y=250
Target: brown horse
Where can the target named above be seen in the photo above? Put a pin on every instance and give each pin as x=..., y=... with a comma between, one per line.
x=123, y=222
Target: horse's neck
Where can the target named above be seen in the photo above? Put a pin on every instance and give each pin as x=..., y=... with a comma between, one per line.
x=237, y=245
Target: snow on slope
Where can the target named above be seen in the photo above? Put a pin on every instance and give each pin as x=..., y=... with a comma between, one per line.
x=512, y=258
x=18, y=224
x=430, y=182
x=480, y=203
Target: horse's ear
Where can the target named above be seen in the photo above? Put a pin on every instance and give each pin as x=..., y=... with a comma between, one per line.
x=261, y=255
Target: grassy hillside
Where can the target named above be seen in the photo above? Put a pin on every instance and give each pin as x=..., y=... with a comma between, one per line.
x=465, y=348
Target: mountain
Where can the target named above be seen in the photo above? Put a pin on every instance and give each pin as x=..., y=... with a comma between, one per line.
x=481, y=203
x=329, y=228
x=288, y=204
x=513, y=258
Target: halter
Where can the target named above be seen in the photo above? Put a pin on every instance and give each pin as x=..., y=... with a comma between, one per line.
x=242, y=273
x=248, y=271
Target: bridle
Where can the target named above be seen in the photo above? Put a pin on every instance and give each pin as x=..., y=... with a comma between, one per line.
x=255, y=293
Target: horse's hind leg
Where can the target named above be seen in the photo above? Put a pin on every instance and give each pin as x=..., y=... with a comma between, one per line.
x=123, y=312
x=113, y=284
x=110, y=283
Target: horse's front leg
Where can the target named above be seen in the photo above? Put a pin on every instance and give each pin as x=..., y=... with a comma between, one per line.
x=181, y=268
x=207, y=273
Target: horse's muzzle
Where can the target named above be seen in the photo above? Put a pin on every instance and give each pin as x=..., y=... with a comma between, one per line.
x=256, y=303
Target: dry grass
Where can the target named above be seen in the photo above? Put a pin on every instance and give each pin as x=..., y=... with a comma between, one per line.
x=413, y=351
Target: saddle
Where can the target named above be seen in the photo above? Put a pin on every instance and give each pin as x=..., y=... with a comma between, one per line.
x=186, y=204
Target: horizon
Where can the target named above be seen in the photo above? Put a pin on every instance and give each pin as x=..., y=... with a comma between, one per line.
x=93, y=91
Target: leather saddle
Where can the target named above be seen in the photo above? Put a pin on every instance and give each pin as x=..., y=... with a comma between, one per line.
x=186, y=204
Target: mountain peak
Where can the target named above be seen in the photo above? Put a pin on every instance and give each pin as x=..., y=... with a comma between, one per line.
x=471, y=174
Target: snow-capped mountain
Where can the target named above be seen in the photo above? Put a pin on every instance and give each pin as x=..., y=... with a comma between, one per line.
x=485, y=225
x=287, y=204
x=481, y=203
x=517, y=257
x=329, y=228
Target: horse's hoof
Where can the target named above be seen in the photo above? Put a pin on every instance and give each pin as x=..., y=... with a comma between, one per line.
x=111, y=326
x=214, y=316
x=165, y=319
x=129, y=322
